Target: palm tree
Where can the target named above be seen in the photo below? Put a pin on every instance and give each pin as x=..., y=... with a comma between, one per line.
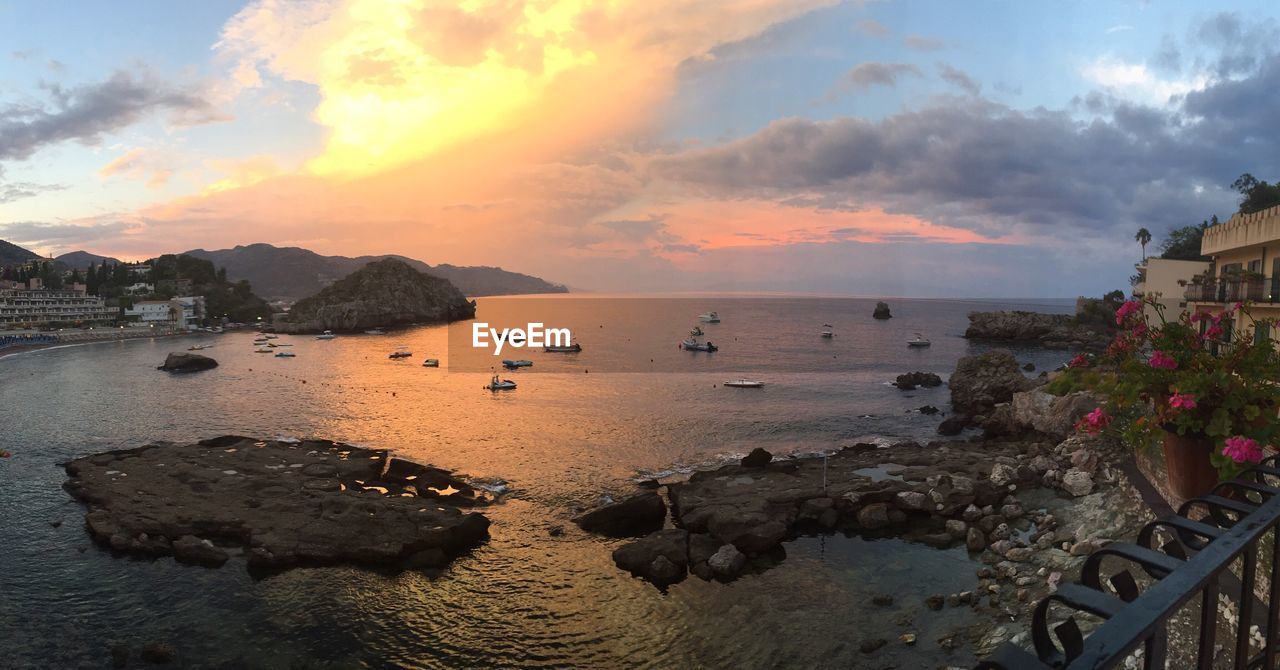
x=1142, y=237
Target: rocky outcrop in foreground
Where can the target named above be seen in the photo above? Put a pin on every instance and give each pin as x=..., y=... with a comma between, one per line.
x=942, y=494
x=179, y=362
x=1052, y=331
x=278, y=503
x=383, y=294
x=982, y=381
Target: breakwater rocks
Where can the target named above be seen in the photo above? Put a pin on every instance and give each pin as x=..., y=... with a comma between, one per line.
x=179, y=362
x=277, y=503
x=1052, y=331
x=942, y=494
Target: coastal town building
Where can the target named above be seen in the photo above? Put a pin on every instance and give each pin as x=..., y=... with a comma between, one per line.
x=1245, y=268
x=1165, y=281
x=186, y=311
x=31, y=306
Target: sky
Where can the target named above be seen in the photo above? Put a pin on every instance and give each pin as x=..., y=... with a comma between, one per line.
x=928, y=149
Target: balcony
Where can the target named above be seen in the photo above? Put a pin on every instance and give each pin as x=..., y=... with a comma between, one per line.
x=1227, y=290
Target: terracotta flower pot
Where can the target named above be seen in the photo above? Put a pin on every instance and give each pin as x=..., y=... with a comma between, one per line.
x=1186, y=458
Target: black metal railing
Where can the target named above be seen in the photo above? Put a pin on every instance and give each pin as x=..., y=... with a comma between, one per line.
x=1255, y=289
x=1183, y=555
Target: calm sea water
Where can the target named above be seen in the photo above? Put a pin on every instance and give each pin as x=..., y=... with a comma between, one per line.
x=525, y=599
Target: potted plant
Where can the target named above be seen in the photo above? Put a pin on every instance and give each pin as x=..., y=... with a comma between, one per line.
x=1163, y=384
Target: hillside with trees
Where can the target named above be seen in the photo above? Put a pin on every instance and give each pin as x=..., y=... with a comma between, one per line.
x=179, y=275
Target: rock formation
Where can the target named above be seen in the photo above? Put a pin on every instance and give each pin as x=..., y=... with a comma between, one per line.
x=983, y=380
x=278, y=503
x=882, y=311
x=184, y=362
x=1052, y=331
x=637, y=515
x=911, y=380
x=383, y=294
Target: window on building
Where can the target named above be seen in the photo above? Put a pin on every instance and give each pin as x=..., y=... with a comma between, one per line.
x=1261, y=332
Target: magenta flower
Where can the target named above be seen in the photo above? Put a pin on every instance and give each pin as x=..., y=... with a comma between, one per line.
x=1213, y=333
x=1182, y=401
x=1237, y=307
x=1095, y=422
x=1129, y=307
x=1242, y=449
x=1162, y=361
x=1199, y=316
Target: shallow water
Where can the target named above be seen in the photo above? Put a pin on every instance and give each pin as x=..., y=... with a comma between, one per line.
x=525, y=599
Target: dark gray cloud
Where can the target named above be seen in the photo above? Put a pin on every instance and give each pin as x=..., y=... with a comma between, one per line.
x=990, y=168
x=14, y=191
x=1241, y=44
x=57, y=234
x=86, y=112
x=957, y=77
x=865, y=75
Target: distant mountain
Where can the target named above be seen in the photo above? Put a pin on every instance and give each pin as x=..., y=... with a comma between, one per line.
x=81, y=260
x=292, y=273
x=12, y=254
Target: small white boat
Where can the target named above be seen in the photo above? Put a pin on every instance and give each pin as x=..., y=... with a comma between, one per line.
x=692, y=344
x=400, y=354
x=497, y=384
x=375, y=331
x=326, y=335
x=199, y=347
x=274, y=345
x=697, y=331
x=270, y=337
x=285, y=354
x=262, y=350
x=918, y=340
x=709, y=317
x=512, y=365
x=431, y=363
x=260, y=341
x=826, y=331
x=745, y=384
x=572, y=348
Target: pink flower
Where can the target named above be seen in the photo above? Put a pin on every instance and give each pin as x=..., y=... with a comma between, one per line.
x=1129, y=307
x=1182, y=401
x=1080, y=361
x=1237, y=307
x=1095, y=422
x=1140, y=330
x=1199, y=316
x=1242, y=449
x=1213, y=333
x=1162, y=361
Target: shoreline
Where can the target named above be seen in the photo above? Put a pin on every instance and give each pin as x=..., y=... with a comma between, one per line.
x=32, y=348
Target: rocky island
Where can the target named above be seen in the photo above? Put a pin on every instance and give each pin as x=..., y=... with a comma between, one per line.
x=277, y=503
x=382, y=294
x=1051, y=331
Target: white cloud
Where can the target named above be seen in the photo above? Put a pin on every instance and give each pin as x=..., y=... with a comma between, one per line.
x=1139, y=83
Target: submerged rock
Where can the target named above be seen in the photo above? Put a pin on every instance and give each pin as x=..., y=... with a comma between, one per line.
x=637, y=515
x=881, y=311
x=280, y=503
x=184, y=362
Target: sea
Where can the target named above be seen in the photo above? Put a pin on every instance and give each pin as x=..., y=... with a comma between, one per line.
x=577, y=427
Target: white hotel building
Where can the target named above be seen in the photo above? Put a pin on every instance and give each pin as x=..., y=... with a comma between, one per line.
x=25, y=307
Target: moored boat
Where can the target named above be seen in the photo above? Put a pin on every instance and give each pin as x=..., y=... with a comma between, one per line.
x=403, y=353
x=918, y=340
x=745, y=383
x=431, y=363
x=497, y=384
x=692, y=344
x=375, y=331
x=285, y=354
x=262, y=350
x=512, y=365
x=326, y=335
x=572, y=348
x=697, y=331
x=709, y=317
x=827, y=332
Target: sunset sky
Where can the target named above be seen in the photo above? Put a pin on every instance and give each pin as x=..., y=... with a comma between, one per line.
x=873, y=148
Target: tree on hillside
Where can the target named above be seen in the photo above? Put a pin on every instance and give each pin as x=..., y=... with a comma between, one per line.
x=1257, y=195
x=1183, y=244
x=1142, y=237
